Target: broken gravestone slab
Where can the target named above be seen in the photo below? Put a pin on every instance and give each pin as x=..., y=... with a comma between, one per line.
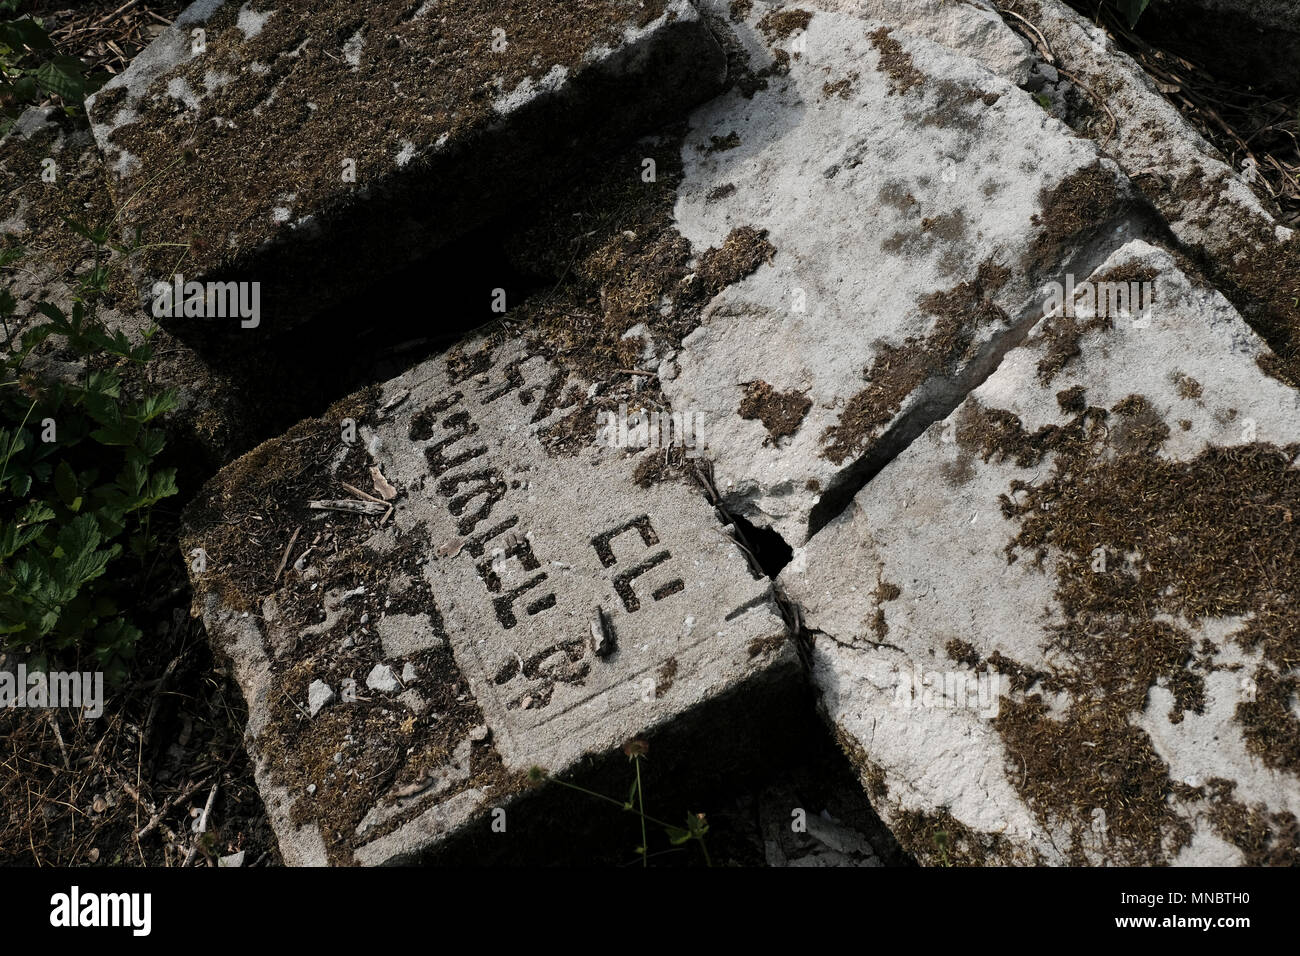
x=915, y=202
x=302, y=150
x=1061, y=626
x=1211, y=207
x=459, y=605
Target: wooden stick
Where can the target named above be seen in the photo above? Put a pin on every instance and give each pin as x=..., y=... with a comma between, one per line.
x=168, y=806
x=368, y=497
x=285, y=559
x=118, y=12
x=351, y=505
x=203, y=824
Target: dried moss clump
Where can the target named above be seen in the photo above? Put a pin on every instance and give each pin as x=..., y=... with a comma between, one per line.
x=611, y=255
x=841, y=87
x=244, y=517
x=780, y=412
x=1264, y=283
x=1091, y=759
x=1062, y=334
x=1265, y=839
x=617, y=261
x=940, y=839
x=1073, y=210
x=780, y=24
x=895, y=61
x=211, y=189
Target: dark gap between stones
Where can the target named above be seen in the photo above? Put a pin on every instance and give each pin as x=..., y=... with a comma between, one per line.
x=766, y=544
x=1230, y=42
x=735, y=755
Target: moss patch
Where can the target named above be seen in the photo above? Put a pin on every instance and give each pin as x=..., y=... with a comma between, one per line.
x=895, y=61
x=611, y=248
x=778, y=25
x=1264, y=838
x=1264, y=283
x=1093, y=758
x=940, y=839
x=780, y=412
x=210, y=187
x=1077, y=207
x=245, y=516
x=1138, y=537
x=841, y=87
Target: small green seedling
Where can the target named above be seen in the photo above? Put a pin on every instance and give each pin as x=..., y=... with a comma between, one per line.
x=696, y=827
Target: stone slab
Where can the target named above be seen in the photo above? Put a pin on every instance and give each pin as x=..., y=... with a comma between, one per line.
x=1208, y=202
x=971, y=28
x=517, y=609
x=314, y=147
x=1060, y=627
x=915, y=201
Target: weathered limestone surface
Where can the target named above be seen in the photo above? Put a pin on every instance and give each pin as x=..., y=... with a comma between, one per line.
x=915, y=202
x=314, y=147
x=972, y=28
x=1207, y=202
x=1106, y=525
x=517, y=609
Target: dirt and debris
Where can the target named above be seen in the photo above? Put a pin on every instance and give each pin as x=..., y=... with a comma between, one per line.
x=780, y=412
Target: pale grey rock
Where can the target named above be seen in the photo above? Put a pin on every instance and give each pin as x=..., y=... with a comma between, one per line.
x=319, y=695
x=972, y=28
x=381, y=679
x=912, y=589
x=406, y=634
x=887, y=172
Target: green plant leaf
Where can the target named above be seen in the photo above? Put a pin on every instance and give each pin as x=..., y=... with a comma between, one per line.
x=61, y=75
x=677, y=836
x=25, y=33
x=1133, y=9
